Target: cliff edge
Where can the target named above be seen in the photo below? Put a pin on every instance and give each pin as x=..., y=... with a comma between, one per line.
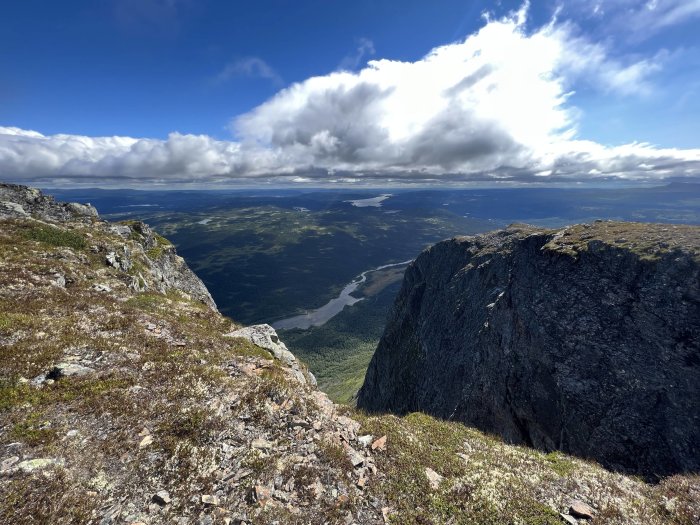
x=585, y=340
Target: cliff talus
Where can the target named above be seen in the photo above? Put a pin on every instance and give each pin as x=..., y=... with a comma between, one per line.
x=585, y=340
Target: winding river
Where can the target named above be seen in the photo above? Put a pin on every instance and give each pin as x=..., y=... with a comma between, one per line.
x=321, y=315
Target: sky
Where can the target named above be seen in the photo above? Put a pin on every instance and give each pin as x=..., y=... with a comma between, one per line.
x=154, y=93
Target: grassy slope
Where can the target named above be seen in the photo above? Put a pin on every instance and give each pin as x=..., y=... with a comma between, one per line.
x=488, y=482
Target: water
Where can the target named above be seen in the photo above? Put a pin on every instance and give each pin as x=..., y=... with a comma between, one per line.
x=322, y=315
x=374, y=202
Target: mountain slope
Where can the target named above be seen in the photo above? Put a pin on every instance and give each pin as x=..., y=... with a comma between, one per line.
x=126, y=398
x=585, y=340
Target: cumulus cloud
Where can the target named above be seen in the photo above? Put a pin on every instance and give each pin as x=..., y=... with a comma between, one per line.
x=28, y=154
x=494, y=107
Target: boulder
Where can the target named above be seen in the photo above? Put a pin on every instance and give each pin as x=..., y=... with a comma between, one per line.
x=264, y=336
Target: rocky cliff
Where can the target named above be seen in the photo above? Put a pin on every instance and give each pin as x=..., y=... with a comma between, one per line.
x=147, y=260
x=585, y=339
x=127, y=399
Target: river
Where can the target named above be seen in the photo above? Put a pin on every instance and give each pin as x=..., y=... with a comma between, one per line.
x=320, y=316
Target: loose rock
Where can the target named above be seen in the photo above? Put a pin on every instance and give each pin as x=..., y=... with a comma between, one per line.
x=209, y=500
x=379, y=444
x=162, y=498
x=434, y=478
x=568, y=519
x=31, y=465
x=579, y=509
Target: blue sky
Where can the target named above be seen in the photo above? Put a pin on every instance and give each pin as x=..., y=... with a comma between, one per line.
x=181, y=91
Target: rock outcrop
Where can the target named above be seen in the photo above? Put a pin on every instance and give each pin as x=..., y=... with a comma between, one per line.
x=168, y=269
x=585, y=340
x=161, y=269
x=264, y=336
x=21, y=201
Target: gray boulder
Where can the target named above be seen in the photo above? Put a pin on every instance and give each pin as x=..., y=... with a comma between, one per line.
x=264, y=336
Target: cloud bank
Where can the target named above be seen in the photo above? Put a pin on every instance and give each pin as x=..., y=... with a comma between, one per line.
x=492, y=108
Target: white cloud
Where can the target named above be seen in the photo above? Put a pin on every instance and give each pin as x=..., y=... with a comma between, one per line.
x=365, y=47
x=494, y=107
x=654, y=15
x=641, y=19
x=582, y=60
x=249, y=67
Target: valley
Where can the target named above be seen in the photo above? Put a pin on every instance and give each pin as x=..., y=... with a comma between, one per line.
x=146, y=405
x=295, y=258
x=387, y=274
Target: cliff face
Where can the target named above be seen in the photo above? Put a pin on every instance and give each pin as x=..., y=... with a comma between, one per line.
x=585, y=340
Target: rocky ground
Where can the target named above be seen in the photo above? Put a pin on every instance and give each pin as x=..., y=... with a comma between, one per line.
x=126, y=398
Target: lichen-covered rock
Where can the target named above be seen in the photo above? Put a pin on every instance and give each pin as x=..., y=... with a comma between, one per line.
x=69, y=370
x=264, y=336
x=169, y=269
x=31, y=465
x=160, y=267
x=21, y=201
x=585, y=340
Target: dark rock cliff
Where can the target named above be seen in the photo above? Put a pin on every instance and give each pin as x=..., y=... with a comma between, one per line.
x=585, y=340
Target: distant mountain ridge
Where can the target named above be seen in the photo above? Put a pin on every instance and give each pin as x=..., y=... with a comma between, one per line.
x=584, y=339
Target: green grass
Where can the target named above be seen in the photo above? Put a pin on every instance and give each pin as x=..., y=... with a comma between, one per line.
x=85, y=391
x=161, y=244
x=148, y=301
x=472, y=491
x=33, y=431
x=649, y=242
x=560, y=463
x=54, y=236
x=47, y=499
x=10, y=322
